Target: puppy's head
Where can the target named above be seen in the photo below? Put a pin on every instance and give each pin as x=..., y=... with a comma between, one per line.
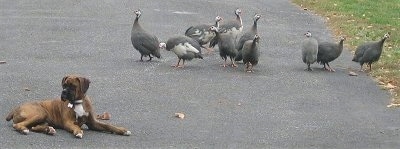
x=74, y=88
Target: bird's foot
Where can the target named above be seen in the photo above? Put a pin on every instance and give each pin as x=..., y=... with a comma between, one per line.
x=233, y=65
x=308, y=69
x=177, y=66
x=249, y=70
x=223, y=65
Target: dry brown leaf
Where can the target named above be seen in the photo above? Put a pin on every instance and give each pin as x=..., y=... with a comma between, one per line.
x=180, y=115
x=104, y=116
x=390, y=86
x=27, y=89
x=395, y=103
x=3, y=62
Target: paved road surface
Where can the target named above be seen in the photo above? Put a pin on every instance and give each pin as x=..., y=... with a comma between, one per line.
x=278, y=106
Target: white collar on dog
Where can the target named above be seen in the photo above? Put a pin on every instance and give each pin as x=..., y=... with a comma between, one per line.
x=71, y=104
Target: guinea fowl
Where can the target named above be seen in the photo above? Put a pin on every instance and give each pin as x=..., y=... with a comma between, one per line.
x=369, y=52
x=201, y=34
x=232, y=27
x=328, y=51
x=309, y=50
x=249, y=35
x=142, y=41
x=184, y=47
x=251, y=53
x=226, y=44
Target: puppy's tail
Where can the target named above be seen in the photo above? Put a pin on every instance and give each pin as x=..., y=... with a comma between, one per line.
x=10, y=115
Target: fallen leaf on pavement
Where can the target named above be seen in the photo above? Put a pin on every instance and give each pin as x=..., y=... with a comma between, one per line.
x=104, y=116
x=352, y=73
x=180, y=115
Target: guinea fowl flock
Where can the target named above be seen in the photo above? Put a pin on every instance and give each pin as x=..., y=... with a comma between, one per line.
x=224, y=35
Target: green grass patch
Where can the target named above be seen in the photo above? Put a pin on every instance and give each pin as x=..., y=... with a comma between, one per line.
x=365, y=20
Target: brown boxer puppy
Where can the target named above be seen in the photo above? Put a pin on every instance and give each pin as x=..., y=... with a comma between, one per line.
x=70, y=113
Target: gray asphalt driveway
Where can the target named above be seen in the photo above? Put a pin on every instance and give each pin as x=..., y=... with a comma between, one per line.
x=278, y=106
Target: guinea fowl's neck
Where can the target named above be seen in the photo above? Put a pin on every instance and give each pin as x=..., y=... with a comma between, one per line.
x=217, y=23
x=239, y=19
x=254, y=27
x=254, y=44
x=341, y=45
x=217, y=35
x=136, y=23
x=381, y=43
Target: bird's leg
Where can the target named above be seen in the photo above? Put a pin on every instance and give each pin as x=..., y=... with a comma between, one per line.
x=224, y=65
x=370, y=67
x=209, y=50
x=251, y=69
x=150, y=58
x=324, y=66
x=141, y=58
x=308, y=67
x=361, y=68
x=183, y=64
x=330, y=69
x=177, y=65
x=233, y=62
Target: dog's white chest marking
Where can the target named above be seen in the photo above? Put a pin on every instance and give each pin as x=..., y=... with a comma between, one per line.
x=78, y=108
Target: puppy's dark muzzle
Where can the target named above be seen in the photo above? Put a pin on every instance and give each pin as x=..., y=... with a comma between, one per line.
x=66, y=94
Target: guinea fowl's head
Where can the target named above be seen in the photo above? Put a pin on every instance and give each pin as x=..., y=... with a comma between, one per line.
x=238, y=12
x=387, y=35
x=308, y=34
x=213, y=28
x=342, y=38
x=218, y=18
x=256, y=38
x=256, y=17
x=138, y=13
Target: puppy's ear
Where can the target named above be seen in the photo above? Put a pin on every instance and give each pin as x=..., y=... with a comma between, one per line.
x=63, y=80
x=84, y=82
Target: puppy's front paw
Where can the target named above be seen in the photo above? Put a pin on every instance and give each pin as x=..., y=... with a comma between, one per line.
x=79, y=135
x=51, y=131
x=127, y=133
x=25, y=131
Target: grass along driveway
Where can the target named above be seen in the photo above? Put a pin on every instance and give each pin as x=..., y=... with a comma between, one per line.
x=366, y=20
